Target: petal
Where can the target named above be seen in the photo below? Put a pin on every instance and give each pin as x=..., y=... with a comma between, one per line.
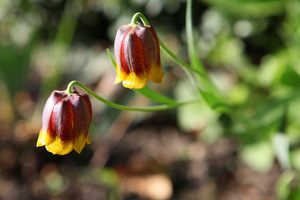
x=119, y=44
x=80, y=142
x=62, y=123
x=120, y=75
x=48, y=109
x=45, y=138
x=151, y=51
x=156, y=75
x=82, y=116
x=133, y=81
x=133, y=54
x=60, y=147
x=89, y=140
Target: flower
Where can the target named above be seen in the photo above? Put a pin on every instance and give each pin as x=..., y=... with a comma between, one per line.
x=65, y=122
x=137, y=56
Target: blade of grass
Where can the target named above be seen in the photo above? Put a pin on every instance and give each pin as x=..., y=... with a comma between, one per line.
x=210, y=93
x=190, y=39
x=155, y=96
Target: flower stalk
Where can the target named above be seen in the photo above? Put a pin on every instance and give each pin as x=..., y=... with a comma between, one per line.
x=122, y=107
x=137, y=16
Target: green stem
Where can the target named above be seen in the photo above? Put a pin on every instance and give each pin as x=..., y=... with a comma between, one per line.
x=195, y=62
x=138, y=15
x=111, y=58
x=122, y=107
x=189, y=31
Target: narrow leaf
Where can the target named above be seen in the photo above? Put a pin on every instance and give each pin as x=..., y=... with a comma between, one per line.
x=214, y=101
x=111, y=58
x=283, y=185
x=281, y=148
x=155, y=96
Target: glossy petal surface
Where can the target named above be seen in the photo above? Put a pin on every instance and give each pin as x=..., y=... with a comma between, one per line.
x=137, y=56
x=65, y=122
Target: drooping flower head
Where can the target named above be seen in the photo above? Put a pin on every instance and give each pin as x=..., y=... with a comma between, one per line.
x=137, y=56
x=65, y=122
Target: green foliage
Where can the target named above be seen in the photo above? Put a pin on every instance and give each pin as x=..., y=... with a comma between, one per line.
x=241, y=58
x=258, y=155
x=283, y=186
x=155, y=96
x=249, y=8
x=14, y=65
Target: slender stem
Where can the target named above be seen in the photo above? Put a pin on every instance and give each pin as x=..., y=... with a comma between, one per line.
x=111, y=58
x=138, y=15
x=195, y=62
x=122, y=107
x=189, y=31
x=70, y=86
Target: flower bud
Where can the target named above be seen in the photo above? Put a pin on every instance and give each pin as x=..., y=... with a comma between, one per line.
x=137, y=56
x=65, y=122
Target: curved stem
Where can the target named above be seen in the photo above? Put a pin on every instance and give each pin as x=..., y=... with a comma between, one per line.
x=138, y=15
x=111, y=58
x=122, y=107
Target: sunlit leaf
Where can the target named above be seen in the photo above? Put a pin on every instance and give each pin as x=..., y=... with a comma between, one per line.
x=281, y=148
x=294, y=194
x=213, y=101
x=259, y=156
x=283, y=187
x=155, y=96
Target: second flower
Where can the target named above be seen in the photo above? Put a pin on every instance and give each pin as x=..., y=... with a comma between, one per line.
x=137, y=56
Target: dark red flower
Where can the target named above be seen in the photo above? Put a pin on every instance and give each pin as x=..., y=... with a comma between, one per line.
x=137, y=56
x=65, y=122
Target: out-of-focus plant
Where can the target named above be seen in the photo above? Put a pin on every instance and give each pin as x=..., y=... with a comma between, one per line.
x=264, y=95
x=259, y=105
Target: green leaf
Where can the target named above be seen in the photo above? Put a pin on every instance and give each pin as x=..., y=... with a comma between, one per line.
x=294, y=194
x=155, y=96
x=210, y=96
x=214, y=101
x=281, y=148
x=14, y=65
x=196, y=63
x=283, y=187
x=111, y=58
x=258, y=156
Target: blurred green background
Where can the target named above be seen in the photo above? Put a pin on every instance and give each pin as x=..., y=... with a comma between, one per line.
x=251, y=50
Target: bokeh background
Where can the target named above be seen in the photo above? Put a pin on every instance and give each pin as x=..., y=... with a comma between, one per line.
x=251, y=50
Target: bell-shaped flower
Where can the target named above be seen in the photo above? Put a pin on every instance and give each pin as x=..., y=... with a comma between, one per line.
x=137, y=56
x=65, y=122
